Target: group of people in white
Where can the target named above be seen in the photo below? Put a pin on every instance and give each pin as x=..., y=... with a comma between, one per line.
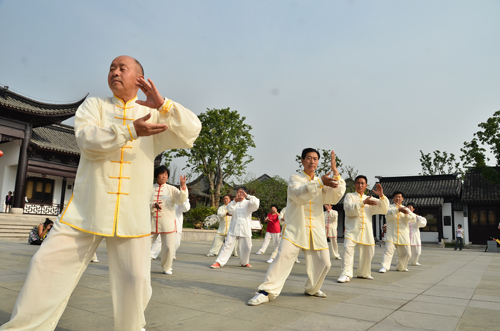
x=309, y=222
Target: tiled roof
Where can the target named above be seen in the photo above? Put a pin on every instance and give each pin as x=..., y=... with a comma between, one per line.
x=12, y=100
x=444, y=186
x=478, y=189
x=55, y=137
x=423, y=202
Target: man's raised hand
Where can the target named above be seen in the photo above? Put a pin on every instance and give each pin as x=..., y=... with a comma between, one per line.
x=183, y=182
x=378, y=190
x=328, y=181
x=333, y=164
x=143, y=128
x=153, y=97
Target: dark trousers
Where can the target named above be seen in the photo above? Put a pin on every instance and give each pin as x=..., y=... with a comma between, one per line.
x=461, y=241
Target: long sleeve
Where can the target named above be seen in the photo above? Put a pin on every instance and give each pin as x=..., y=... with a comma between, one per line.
x=185, y=207
x=97, y=142
x=253, y=203
x=231, y=206
x=381, y=207
x=179, y=196
x=221, y=212
x=421, y=221
x=303, y=193
x=333, y=195
x=183, y=128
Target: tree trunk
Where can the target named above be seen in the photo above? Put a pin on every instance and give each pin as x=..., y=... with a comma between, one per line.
x=212, y=190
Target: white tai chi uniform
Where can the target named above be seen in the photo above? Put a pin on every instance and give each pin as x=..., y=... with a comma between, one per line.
x=304, y=231
x=179, y=220
x=220, y=236
x=397, y=237
x=415, y=242
x=331, y=218
x=282, y=223
x=163, y=221
x=359, y=231
x=240, y=229
x=110, y=199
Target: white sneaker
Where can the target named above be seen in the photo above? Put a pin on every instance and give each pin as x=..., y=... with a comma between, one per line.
x=338, y=258
x=319, y=294
x=175, y=257
x=382, y=270
x=270, y=260
x=369, y=277
x=259, y=253
x=258, y=299
x=406, y=270
x=297, y=261
x=343, y=279
x=168, y=272
x=95, y=261
x=153, y=258
x=210, y=255
x=417, y=263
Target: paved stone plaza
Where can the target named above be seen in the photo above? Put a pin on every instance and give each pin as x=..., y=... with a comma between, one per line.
x=450, y=291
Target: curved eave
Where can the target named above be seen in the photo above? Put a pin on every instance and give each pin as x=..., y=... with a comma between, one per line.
x=30, y=106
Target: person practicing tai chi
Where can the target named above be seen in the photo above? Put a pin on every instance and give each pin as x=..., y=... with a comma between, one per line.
x=241, y=208
x=304, y=229
x=224, y=224
x=272, y=231
x=415, y=241
x=164, y=224
x=282, y=223
x=398, y=234
x=331, y=218
x=119, y=138
x=359, y=210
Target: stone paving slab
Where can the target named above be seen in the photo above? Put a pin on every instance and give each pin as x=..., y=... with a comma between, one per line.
x=452, y=290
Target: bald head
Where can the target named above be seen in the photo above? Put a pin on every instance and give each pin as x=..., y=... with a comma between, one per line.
x=122, y=77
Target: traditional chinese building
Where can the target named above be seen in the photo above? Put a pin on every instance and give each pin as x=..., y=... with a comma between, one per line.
x=40, y=154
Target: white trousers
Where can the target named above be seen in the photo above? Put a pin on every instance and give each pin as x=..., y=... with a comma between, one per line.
x=56, y=268
x=267, y=239
x=317, y=266
x=217, y=245
x=156, y=248
x=227, y=248
x=167, y=251
x=365, y=259
x=335, y=247
x=415, y=254
x=404, y=255
x=276, y=249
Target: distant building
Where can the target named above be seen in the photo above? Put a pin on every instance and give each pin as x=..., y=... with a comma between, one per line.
x=40, y=154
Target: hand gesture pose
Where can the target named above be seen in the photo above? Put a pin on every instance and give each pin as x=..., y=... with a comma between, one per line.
x=369, y=201
x=157, y=205
x=153, y=97
x=403, y=210
x=378, y=190
x=333, y=164
x=183, y=182
x=328, y=181
x=143, y=128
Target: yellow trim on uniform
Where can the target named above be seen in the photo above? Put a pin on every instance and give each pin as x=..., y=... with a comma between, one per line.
x=361, y=243
x=166, y=107
x=321, y=185
x=130, y=132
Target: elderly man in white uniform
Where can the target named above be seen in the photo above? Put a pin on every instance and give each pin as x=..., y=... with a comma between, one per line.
x=241, y=229
x=359, y=210
x=331, y=219
x=224, y=224
x=304, y=229
x=398, y=234
x=415, y=241
x=119, y=138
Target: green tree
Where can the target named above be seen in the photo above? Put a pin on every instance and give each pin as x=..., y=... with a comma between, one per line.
x=485, y=141
x=349, y=173
x=439, y=163
x=270, y=191
x=221, y=150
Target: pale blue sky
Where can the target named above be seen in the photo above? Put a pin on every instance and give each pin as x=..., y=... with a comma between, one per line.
x=375, y=80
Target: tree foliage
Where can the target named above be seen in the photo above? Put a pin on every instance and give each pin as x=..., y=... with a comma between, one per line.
x=221, y=150
x=439, y=163
x=270, y=191
x=485, y=141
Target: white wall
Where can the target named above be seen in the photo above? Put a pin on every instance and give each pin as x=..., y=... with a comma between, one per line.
x=447, y=229
x=8, y=169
